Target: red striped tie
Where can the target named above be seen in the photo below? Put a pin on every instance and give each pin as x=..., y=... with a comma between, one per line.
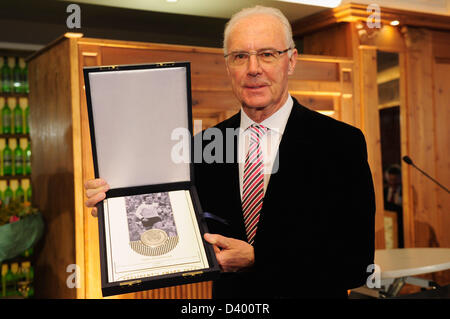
x=253, y=182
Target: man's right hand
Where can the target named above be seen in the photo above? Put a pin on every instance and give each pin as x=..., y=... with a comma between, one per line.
x=95, y=192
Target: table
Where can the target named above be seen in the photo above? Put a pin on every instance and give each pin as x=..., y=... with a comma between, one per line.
x=403, y=262
x=399, y=266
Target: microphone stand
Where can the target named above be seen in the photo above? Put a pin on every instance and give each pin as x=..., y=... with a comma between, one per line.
x=409, y=161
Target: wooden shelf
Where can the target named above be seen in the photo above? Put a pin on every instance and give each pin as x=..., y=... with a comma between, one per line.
x=14, y=135
x=14, y=95
x=18, y=259
x=389, y=104
x=8, y=178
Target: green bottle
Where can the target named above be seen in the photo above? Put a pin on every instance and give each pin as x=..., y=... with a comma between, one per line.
x=29, y=193
x=6, y=76
x=18, y=118
x=15, y=270
x=26, y=124
x=6, y=118
x=20, y=194
x=17, y=77
x=7, y=160
x=8, y=195
x=31, y=276
x=20, y=273
x=25, y=86
x=1, y=75
x=10, y=283
x=2, y=61
x=28, y=159
x=27, y=253
x=4, y=270
x=18, y=159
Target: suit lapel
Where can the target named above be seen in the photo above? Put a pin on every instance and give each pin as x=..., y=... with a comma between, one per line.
x=294, y=138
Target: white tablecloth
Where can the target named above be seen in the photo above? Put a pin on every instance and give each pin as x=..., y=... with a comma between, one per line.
x=403, y=262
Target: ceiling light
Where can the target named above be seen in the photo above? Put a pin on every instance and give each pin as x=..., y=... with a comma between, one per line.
x=172, y=1
x=395, y=22
x=319, y=3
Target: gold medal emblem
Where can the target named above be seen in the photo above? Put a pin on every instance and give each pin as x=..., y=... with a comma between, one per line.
x=154, y=237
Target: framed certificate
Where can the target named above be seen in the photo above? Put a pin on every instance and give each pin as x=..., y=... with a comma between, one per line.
x=150, y=224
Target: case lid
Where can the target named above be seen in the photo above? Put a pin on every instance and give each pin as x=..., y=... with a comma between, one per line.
x=133, y=112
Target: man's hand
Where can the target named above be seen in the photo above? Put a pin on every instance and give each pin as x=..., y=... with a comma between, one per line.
x=232, y=254
x=95, y=192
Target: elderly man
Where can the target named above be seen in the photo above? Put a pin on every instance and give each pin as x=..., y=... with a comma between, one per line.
x=296, y=220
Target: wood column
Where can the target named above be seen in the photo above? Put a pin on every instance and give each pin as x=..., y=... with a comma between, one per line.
x=370, y=125
x=51, y=131
x=427, y=87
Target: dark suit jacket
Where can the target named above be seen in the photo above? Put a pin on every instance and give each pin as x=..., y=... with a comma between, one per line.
x=315, y=236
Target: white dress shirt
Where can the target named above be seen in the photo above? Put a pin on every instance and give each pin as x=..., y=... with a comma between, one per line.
x=276, y=124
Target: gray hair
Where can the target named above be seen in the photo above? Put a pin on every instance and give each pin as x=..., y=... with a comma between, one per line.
x=256, y=11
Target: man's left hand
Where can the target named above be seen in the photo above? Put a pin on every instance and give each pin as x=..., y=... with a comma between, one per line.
x=232, y=254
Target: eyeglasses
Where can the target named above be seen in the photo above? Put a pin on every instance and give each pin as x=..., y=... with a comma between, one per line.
x=266, y=56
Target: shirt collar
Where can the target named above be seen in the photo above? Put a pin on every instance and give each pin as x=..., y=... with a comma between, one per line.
x=276, y=122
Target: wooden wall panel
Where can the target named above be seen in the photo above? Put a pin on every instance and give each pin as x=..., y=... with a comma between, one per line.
x=53, y=169
x=428, y=139
x=371, y=128
x=204, y=62
x=442, y=157
x=442, y=172
x=421, y=148
x=318, y=103
x=441, y=53
x=77, y=164
x=328, y=41
x=315, y=68
x=348, y=99
x=88, y=55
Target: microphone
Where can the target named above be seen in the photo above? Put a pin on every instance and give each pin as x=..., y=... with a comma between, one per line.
x=409, y=161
